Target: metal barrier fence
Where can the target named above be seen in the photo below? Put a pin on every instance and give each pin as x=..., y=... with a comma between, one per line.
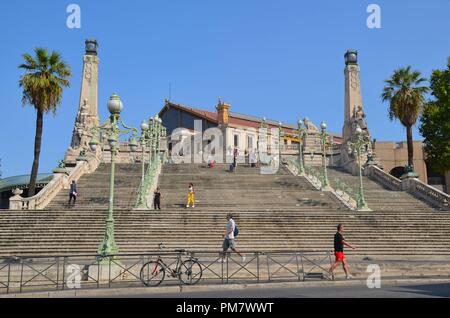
x=26, y=274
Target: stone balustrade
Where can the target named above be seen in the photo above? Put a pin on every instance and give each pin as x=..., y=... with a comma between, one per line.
x=60, y=181
x=414, y=186
x=385, y=179
x=426, y=193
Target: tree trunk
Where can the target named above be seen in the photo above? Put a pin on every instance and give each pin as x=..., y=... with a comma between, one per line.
x=37, y=152
x=409, y=140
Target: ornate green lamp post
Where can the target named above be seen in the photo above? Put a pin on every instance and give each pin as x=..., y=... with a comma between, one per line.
x=323, y=138
x=111, y=130
x=301, y=137
x=145, y=139
x=280, y=136
x=158, y=130
x=356, y=148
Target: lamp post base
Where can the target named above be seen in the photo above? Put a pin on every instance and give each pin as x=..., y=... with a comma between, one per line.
x=361, y=203
x=108, y=248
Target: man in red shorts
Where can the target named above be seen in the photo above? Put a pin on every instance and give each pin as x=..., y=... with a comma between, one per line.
x=339, y=242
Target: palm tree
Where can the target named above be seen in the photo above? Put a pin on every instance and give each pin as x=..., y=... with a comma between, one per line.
x=406, y=98
x=45, y=77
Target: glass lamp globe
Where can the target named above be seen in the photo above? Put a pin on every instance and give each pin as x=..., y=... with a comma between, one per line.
x=112, y=142
x=351, y=57
x=93, y=145
x=144, y=125
x=323, y=125
x=115, y=105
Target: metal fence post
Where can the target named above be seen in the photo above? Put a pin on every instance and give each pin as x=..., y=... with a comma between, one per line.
x=331, y=264
x=227, y=267
x=64, y=273
x=98, y=273
x=21, y=277
x=109, y=273
x=298, y=268
x=57, y=272
x=257, y=266
x=268, y=266
x=9, y=277
x=303, y=267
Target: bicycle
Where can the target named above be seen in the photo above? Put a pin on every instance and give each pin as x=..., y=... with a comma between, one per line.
x=189, y=271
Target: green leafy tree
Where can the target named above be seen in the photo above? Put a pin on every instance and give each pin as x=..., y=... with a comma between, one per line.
x=435, y=121
x=405, y=95
x=45, y=77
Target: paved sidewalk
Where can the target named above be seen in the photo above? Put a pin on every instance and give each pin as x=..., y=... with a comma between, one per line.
x=338, y=288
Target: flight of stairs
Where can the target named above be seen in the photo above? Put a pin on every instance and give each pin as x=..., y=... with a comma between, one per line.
x=93, y=189
x=273, y=212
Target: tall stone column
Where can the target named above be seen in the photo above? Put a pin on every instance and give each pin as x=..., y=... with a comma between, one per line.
x=87, y=116
x=353, y=112
x=353, y=98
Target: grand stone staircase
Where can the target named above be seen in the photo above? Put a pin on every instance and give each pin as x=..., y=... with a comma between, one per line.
x=273, y=212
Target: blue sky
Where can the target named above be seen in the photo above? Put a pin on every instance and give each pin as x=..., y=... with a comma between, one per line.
x=281, y=59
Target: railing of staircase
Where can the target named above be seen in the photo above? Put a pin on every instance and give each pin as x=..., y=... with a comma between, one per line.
x=427, y=193
x=386, y=179
x=149, y=183
x=74, y=272
x=340, y=189
x=345, y=192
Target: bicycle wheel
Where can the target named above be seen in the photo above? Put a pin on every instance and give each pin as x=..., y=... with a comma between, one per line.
x=190, y=272
x=152, y=274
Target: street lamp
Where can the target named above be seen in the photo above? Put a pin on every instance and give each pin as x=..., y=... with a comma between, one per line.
x=110, y=129
x=143, y=139
x=301, y=136
x=323, y=138
x=280, y=132
x=356, y=148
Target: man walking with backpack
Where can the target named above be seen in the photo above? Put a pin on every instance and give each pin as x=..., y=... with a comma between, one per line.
x=229, y=236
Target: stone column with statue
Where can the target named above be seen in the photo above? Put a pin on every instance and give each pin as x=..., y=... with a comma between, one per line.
x=354, y=116
x=87, y=116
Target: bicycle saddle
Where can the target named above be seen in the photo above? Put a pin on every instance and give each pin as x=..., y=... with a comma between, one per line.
x=180, y=251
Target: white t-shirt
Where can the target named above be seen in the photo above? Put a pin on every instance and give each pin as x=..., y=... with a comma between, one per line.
x=230, y=229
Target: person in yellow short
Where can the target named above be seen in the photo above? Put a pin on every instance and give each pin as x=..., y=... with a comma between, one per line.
x=191, y=196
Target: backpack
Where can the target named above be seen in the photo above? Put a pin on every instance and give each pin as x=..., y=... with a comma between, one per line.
x=236, y=231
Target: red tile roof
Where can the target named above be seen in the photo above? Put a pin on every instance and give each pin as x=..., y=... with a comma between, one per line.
x=235, y=120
